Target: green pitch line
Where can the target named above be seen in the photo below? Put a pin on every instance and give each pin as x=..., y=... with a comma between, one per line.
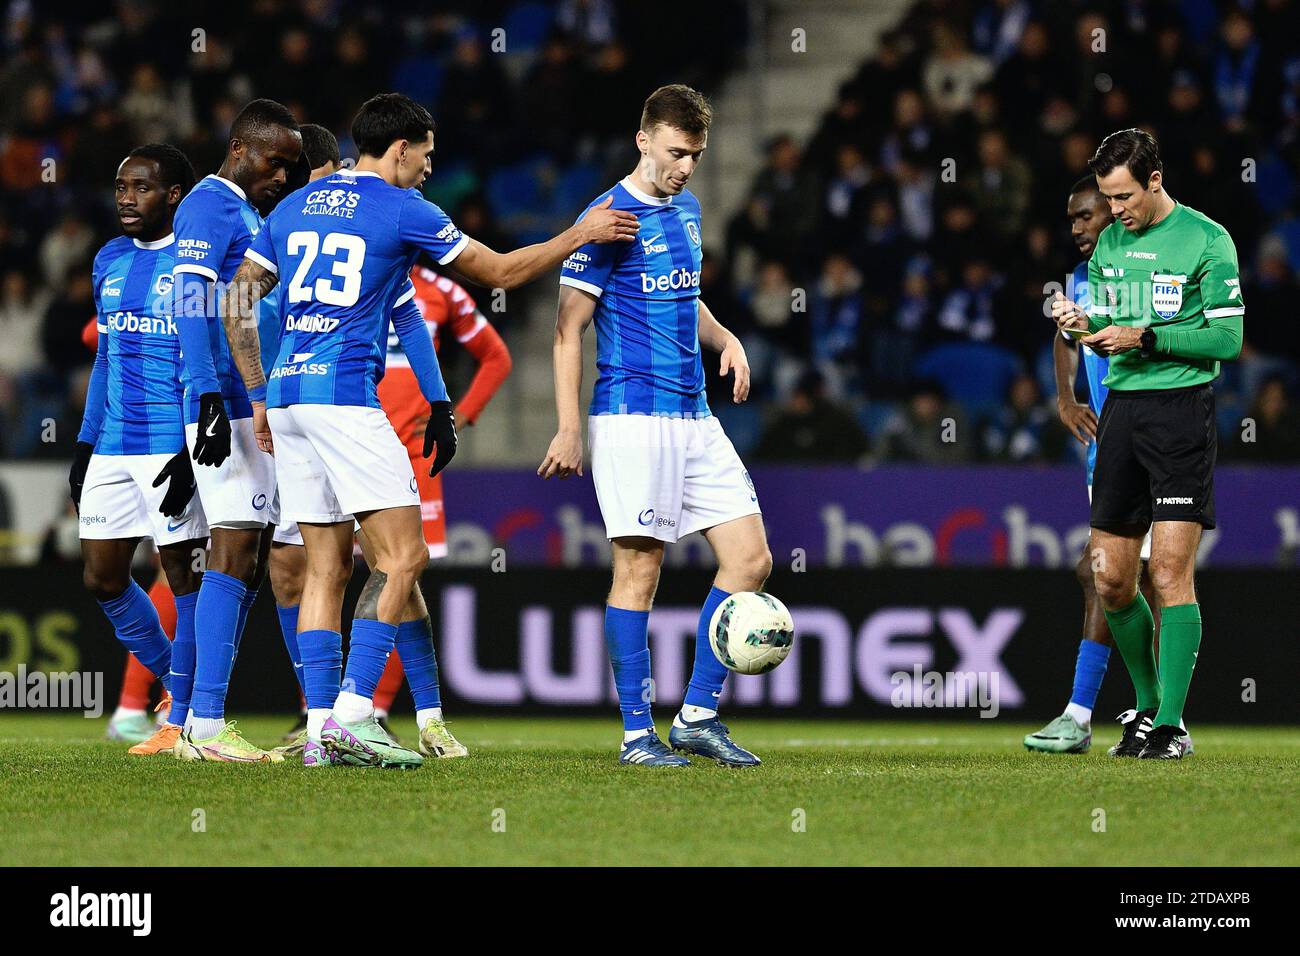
x=876, y=793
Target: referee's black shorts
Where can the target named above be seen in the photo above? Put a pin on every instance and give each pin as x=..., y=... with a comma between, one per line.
x=1156, y=450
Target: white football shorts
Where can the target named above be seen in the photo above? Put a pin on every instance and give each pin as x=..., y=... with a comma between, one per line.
x=336, y=461
x=118, y=500
x=286, y=532
x=663, y=477
x=240, y=492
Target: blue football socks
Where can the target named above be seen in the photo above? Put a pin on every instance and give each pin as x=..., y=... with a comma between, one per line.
x=627, y=638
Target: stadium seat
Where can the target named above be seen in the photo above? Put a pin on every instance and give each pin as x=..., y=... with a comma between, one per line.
x=742, y=423
x=448, y=185
x=419, y=76
x=527, y=26
x=873, y=416
x=518, y=187
x=976, y=374
x=1275, y=185
x=576, y=186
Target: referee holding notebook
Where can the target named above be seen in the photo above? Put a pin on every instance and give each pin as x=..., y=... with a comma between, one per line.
x=1167, y=309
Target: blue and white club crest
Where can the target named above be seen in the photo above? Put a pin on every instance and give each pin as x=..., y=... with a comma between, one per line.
x=1167, y=294
x=693, y=230
x=164, y=284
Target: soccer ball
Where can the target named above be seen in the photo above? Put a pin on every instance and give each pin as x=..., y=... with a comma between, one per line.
x=751, y=632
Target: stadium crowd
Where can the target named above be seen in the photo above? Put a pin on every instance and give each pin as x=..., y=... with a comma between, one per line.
x=530, y=98
x=885, y=275
x=925, y=218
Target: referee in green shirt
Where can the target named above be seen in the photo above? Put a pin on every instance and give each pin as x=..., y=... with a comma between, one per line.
x=1166, y=309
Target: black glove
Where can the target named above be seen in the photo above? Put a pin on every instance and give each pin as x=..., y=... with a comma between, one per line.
x=299, y=175
x=440, y=431
x=181, y=489
x=212, y=442
x=77, y=476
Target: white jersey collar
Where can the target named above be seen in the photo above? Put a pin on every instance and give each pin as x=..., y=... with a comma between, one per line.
x=162, y=243
x=234, y=187
x=646, y=198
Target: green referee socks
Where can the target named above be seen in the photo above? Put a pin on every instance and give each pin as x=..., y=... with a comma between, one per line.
x=1180, y=639
x=1134, y=630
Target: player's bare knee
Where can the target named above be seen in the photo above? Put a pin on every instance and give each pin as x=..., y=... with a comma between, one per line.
x=1115, y=590
x=286, y=584
x=257, y=575
x=334, y=571
x=1083, y=572
x=182, y=575
x=753, y=569
x=634, y=586
x=1171, y=579
x=414, y=560
x=235, y=554
x=105, y=584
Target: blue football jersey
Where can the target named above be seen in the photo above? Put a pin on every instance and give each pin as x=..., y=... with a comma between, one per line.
x=343, y=247
x=647, y=316
x=1094, y=366
x=214, y=225
x=133, y=406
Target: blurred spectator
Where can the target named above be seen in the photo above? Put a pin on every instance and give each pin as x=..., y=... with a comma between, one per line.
x=846, y=195
x=547, y=121
x=780, y=216
x=72, y=307
x=1235, y=69
x=910, y=134
x=1029, y=78
x=31, y=141
x=475, y=95
x=953, y=72
x=16, y=248
x=69, y=244
x=998, y=28
x=98, y=146
x=1024, y=429
x=22, y=316
x=928, y=430
x=615, y=94
x=880, y=79
x=968, y=312
x=836, y=316
x=1271, y=345
x=812, y=428
x=591, y=21
x=1002, y=186
x=883, y=247
x=915, y=184
x=773, y=304
x=149, y=107
x=354, y=74
x=1277, y=428
x=1032, y=266
x=895, y=345
x=843, y=127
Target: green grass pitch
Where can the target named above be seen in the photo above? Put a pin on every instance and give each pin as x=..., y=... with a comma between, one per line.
x=549, y=791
